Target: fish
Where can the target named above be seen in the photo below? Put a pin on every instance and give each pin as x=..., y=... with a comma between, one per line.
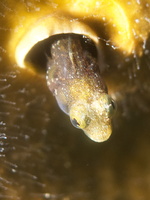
x=75, y=79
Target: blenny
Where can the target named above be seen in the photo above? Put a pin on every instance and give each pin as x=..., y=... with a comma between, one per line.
x=74, y=77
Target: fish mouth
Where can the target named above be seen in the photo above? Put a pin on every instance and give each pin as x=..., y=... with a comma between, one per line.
x=98, y=134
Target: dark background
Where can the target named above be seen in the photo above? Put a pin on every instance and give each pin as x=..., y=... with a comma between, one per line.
x=43, y=157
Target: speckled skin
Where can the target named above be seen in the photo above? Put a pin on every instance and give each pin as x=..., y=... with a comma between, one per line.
x=42, y=156
x=74, y=78
x=69, y=62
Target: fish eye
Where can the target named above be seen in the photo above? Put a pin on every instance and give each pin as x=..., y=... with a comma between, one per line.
x=75, y=123
x=113, y=103
x=80, y=123
x=112, y=107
